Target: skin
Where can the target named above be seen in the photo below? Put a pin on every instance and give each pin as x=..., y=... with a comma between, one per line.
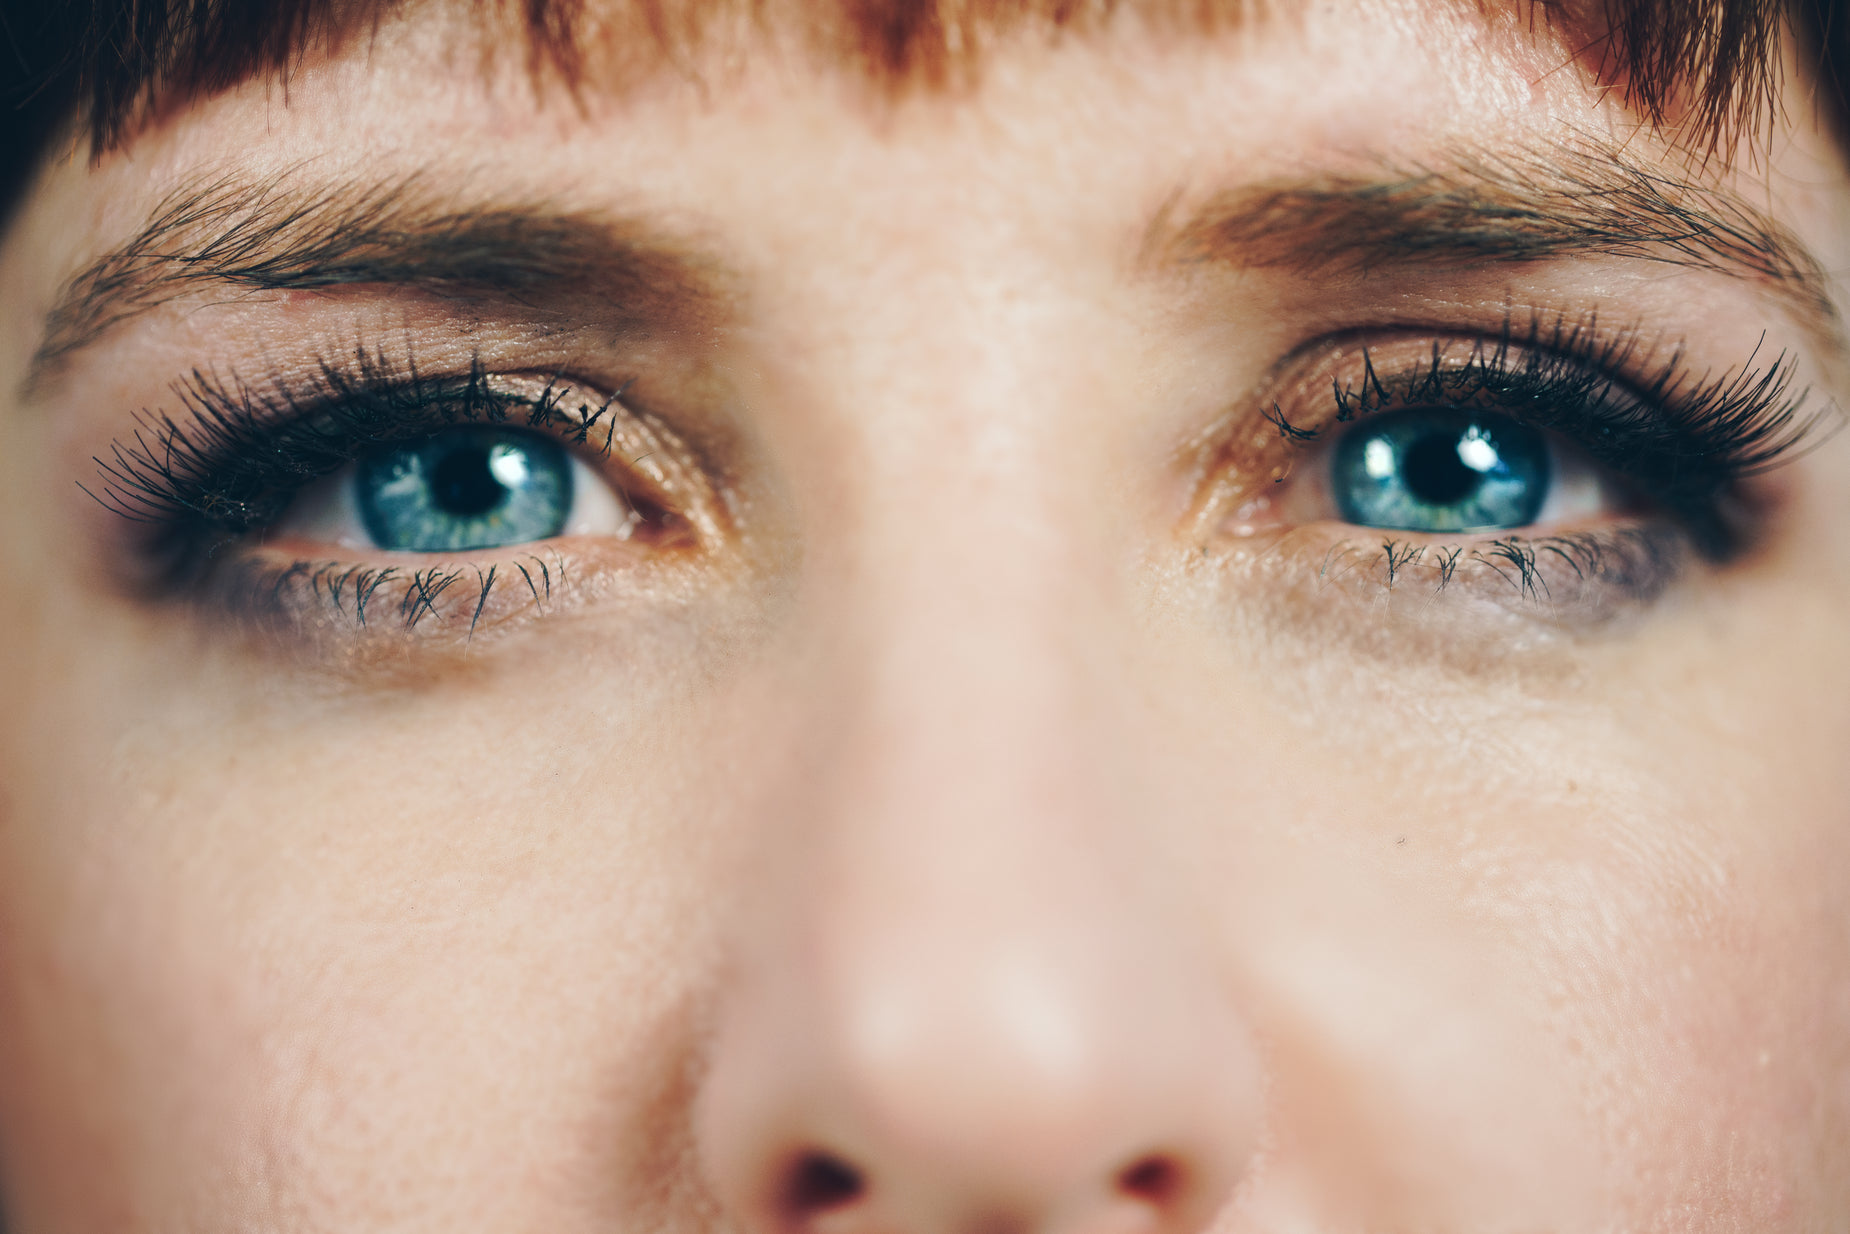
x=971, y=804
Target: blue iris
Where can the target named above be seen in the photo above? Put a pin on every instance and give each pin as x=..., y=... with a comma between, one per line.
x=1440, y=471
x=463, y=489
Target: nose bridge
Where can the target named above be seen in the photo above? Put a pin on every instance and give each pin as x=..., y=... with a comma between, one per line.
x=961, y=1000
x=966, y=1003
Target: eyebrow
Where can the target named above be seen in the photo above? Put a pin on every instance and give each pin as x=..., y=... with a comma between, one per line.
x=1470, y=208
x=228, y=237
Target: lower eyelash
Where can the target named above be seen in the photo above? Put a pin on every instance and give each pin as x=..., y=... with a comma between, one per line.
x=453, y=599
x=1636, y=564
x=1439, y=591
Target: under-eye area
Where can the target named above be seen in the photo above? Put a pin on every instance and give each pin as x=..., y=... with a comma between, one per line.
x=441, y=598
x=382, y=497
x=1461, y=599
x=1574, y=574
x=1553, y=462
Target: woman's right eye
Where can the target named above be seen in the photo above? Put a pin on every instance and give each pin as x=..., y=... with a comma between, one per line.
x=459, y=490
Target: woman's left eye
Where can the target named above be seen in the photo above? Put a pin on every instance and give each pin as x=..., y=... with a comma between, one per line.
x=1439, y=471
x=459, y=490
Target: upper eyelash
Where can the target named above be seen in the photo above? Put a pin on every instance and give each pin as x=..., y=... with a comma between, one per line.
x=234, y=456
x=1685, y=440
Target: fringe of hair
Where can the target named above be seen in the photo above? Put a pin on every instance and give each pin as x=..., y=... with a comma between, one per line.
x=1712, y=65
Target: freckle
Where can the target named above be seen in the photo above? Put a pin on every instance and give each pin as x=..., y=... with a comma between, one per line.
x=1572, y=787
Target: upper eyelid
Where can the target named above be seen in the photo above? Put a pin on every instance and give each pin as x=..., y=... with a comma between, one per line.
x=1612, y=368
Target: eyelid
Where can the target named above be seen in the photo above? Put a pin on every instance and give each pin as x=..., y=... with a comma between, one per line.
x=1678, y=435
x=235, y=455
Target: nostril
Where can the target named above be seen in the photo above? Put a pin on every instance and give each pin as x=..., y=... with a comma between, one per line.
x=820, y=1182
x=1154, y=1179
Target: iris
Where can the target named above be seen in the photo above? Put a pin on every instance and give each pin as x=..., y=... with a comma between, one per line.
x=1440, y=471
x=463, y=489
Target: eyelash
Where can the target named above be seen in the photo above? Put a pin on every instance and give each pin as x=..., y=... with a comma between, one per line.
x=1685, y=442
x=229, y=462
x=235, y=457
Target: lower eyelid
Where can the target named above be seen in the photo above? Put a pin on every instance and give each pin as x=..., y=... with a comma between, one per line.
x=350, y=608
x=1447, y=597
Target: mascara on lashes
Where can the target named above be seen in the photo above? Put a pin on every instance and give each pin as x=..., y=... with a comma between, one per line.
x=1680, y=440
x=231, y=462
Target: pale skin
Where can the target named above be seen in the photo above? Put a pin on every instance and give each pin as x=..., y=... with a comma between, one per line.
x=978, y=803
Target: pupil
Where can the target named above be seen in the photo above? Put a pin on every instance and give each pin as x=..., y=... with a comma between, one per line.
x=1434, y=472
x=464, y=485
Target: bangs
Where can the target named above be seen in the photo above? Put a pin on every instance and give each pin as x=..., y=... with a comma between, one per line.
x=1709, y=66
x=1714, y=59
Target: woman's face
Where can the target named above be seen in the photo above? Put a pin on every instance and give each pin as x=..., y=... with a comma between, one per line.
x=1166, y=632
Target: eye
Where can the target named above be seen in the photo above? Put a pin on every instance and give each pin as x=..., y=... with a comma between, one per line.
x=1439, y=471
x=459, y=490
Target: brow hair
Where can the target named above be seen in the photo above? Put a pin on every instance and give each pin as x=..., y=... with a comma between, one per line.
x=1471, y=206
x=1463, y=207
x=291, y=233
x=1473, y=209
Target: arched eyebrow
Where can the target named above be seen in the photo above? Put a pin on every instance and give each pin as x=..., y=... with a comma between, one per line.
x=1472, y=208
x=229, y=238
x=226, y=238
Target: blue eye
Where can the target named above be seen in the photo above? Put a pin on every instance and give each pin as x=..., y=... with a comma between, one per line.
x=464, y=489
x=1440, y=471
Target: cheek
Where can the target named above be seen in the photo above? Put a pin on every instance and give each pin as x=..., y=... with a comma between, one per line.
x=400, y=962
x=1728, y=960
x=1504, y=937
x=1707, y=1016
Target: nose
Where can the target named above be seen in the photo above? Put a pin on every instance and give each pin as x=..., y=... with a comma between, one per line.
x=974, y=1012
